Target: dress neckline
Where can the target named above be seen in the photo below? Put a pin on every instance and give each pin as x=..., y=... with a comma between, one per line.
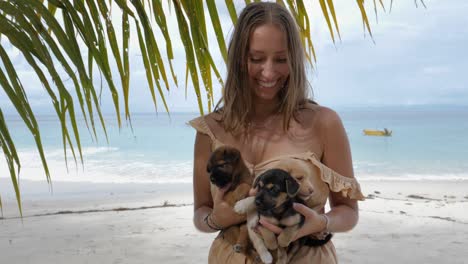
x=303, y=155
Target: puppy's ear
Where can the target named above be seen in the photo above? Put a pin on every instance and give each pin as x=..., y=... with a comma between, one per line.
x=232, y=155
x=255, y=185
x=292, y=186
x=208, y=165
x=212, y=160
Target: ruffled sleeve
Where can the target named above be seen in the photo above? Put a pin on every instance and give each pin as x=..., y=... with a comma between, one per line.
x=201, y=126
x=349, y=187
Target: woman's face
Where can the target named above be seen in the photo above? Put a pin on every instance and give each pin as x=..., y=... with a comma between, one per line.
x=267, y=62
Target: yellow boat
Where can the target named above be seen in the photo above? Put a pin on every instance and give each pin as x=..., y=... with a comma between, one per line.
x=373, y=132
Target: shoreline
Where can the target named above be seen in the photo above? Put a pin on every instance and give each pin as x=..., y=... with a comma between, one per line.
x=403, y=222
x=92, y=196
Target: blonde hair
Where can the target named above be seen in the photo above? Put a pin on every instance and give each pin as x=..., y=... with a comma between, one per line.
x=236, y=104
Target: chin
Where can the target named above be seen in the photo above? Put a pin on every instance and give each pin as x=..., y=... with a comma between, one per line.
x=267, y=96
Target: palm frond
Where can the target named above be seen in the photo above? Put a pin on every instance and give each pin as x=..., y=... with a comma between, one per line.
x=12, y=159
x=365, y=20
x=64, y=41
x=232, y=11
x=217, y=28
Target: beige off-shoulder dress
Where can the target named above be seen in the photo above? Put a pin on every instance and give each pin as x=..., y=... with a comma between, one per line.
x=322, y=178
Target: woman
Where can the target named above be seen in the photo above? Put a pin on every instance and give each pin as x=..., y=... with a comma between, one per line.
x=265, y=113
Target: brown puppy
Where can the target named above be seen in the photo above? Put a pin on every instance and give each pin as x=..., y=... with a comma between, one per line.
x=225, y=167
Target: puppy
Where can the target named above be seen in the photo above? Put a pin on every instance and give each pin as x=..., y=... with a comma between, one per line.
x=274, y=200
x=225, y=167
x=300, y=171
x=277, y=190
x=276, y=194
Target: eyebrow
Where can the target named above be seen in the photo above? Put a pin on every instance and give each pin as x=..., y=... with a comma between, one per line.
x=261, y=52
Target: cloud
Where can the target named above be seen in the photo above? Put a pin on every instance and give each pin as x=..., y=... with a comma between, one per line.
x=436, y=70
x=419, y=57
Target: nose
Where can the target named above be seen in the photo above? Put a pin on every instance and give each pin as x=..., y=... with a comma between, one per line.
x=258, y=202
x=268, y=71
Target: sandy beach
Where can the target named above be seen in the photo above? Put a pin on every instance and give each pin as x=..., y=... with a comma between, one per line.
x=400, y=222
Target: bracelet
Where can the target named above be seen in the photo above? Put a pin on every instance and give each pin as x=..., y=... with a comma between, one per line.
x=327, y=223
x=213, y=225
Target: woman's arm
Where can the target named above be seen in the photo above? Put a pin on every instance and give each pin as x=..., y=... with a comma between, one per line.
x=222, y=215
x=344, y=213
x=202, y=200
x=336, y=154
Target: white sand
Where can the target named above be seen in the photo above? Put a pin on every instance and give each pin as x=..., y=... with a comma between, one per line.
x=431, y=226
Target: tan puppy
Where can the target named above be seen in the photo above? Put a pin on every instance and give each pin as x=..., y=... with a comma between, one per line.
x=299, y=170
x=225, y=167
x=312, y=189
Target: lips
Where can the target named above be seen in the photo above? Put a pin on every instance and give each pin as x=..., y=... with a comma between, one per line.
x=268, y=84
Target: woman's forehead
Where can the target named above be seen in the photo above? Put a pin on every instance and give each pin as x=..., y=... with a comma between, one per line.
x=268, y=38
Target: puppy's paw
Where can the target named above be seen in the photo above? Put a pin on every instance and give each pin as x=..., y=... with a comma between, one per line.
x=282, y=256
x=271, y=244
x=243, y=206
x=283, y=241
x=266, y=257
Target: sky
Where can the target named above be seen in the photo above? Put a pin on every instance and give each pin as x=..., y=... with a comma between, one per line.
x=417, y=56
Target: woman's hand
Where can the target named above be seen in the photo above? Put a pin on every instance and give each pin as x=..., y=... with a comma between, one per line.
x=223, y=214
x=313, y=222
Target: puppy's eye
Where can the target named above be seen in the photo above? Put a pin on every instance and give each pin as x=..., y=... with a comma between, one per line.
x=300, y=178
x=274, y=190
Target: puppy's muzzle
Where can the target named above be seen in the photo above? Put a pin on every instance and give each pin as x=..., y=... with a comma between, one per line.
x=220, y=178
x=263, y=204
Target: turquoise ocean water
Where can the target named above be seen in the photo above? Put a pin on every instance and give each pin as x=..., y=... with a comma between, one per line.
x=428, y=142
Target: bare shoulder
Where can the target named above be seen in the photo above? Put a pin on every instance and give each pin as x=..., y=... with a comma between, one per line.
x=320, y=117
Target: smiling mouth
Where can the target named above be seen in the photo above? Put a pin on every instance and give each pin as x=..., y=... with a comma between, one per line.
x=268, y=84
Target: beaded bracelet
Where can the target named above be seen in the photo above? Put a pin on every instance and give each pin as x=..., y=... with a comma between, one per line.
x=327, y=223
x=213, y=225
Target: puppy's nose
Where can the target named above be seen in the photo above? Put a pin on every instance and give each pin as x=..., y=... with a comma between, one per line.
x=258, y=202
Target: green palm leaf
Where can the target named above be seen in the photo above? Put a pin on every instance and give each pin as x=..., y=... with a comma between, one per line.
x=189, y=53
x=160, y=18
x=232, y=11
x=217, y=28
x=49, y=37
x=12, y=159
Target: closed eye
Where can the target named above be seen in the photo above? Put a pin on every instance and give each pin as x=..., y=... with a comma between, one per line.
x=281, y=60
x=221, y=165
x=255, y=60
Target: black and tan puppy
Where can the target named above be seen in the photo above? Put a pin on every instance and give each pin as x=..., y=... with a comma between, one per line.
x=277, y=190
x=274, y=200
x=276, y=193
x=225, y=167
